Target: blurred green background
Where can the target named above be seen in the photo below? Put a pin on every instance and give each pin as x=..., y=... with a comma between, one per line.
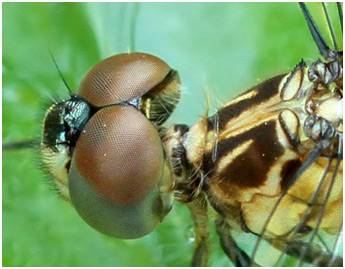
x=220, y=49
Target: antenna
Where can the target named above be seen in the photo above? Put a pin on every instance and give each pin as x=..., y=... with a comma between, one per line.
x=58, y=69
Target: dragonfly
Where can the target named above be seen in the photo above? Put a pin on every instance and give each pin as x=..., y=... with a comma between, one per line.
x=216, y=121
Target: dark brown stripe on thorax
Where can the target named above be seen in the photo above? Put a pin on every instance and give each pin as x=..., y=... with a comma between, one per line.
x=266, y=90
x=250, y=168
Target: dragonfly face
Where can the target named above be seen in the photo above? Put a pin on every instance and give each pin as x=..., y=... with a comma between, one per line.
x=101, y=141
x=183, y=65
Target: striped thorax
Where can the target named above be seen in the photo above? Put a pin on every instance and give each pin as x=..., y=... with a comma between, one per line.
x=246, y=156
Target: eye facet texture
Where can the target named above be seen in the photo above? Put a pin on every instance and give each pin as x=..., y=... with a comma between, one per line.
x=116, y=169
x=122, y=77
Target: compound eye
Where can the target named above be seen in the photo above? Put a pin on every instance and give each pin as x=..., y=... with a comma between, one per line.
x=127, y=77
x=122, y=77
x=116, y=170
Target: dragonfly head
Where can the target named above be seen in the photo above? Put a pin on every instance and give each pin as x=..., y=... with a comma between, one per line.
x=103, y=146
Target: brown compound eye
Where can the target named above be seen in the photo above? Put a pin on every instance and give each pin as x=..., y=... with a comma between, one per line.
x=117, y=169
x=125, y=77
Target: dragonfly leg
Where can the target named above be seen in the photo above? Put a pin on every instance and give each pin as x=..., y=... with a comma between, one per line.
x=315, y=255
x=238, y=257
x=198, y=209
